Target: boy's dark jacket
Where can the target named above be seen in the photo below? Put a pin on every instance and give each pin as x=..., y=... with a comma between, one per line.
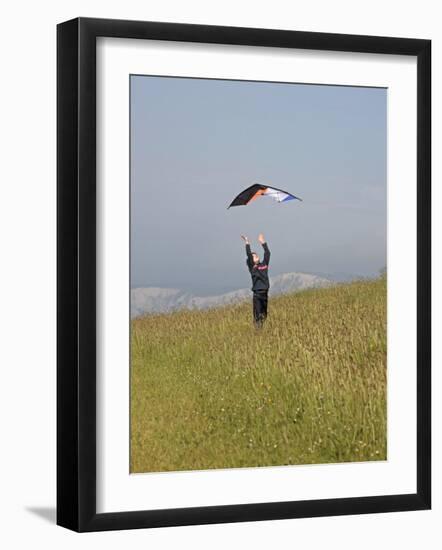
x=260, y=271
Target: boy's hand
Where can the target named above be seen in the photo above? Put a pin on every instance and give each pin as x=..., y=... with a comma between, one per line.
x=261, y=238
x=245, y=239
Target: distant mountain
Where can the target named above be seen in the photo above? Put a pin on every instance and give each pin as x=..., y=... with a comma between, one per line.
x=341, y=277
x=161, y=300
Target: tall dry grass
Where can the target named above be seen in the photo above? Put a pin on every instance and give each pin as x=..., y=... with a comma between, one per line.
x=208, y=390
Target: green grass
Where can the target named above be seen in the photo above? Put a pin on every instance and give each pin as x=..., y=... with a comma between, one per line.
x=208, y=390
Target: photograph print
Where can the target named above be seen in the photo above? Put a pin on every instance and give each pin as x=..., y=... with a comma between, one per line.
x=258, y=298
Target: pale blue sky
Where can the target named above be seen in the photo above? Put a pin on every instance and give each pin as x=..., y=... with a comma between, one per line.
x=196, y=143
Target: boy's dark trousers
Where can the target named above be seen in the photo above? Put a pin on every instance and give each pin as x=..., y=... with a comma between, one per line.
x=260, y=298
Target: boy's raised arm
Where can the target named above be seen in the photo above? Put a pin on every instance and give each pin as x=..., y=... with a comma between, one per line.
x=248, y=251
x=262, y=240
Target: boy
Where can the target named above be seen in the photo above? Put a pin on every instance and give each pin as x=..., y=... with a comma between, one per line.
x=260, y=279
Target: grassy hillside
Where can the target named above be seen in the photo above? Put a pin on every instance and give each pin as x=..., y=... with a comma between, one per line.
x=208, y=390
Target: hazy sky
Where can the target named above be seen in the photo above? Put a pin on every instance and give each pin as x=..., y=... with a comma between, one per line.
x=195, y=144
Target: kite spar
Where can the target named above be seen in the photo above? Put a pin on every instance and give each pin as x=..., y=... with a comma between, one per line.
x=258, y=190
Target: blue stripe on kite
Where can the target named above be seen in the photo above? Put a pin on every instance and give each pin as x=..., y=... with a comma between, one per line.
x=291, y=198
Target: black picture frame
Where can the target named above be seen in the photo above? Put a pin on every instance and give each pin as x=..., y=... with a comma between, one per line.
x=76, y=273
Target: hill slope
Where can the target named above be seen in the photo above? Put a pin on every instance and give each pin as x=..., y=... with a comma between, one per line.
x=208, y=390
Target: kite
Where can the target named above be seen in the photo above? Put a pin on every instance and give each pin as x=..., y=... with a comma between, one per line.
x=258, y=190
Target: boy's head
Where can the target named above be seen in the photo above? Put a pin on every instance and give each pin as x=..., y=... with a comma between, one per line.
x=255, y=258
